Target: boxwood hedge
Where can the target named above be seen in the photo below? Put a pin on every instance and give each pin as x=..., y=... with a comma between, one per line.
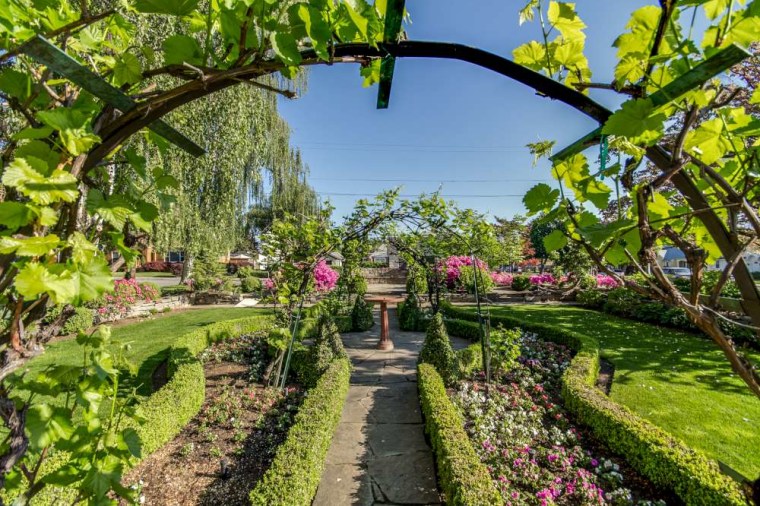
x=463, y=478
x=297, y=468
x=663, y=459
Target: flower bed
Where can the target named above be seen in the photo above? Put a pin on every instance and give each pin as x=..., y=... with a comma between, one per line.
x=228, y=446
x=534, y=453
x=666, y=461
x=126, y=294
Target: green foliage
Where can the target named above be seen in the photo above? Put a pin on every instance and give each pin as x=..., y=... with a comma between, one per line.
x=416, y=279
x=436, y=350
x=327, y=347
x=94, y=447
x=505, y=348
x=660, y=457
x=592, y=298
x=467, y=275
x=410, y=315
x=463, y=478
x=463, y=328
x=250, y=284
x=82, y=319
x=520, y=283
x=361, y=316
x=622, y=301
x=469, y=360
x=208, y=273
x=173, y=290
x=297, y=468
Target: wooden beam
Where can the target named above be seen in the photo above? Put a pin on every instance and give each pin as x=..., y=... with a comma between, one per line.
x=720, y=61
x=394, y=15
x=61, y=63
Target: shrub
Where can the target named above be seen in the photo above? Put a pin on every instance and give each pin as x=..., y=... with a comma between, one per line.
x=505, y=348
x=469, y=360
x=501, y=278
x=436, y=349
x=463, y=328
x=409, y=313
x=127, y=292
x=622, y=301
x=297, y=468
x=464, y=479
x=173, y=267
x=82, y=319
x=416, y=280
x=361, y=316
x=664, y=460
x=250, y=284
x=327, y=347
x=710, y=279
x=467, y=275
x=592, y=298
x=172, y=290
x=520, y=283
x=245, y=271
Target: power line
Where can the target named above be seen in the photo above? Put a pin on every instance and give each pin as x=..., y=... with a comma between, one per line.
x=407, y=180
x=450, y=195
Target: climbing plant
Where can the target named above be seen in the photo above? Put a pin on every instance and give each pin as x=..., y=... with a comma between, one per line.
x=681, y=165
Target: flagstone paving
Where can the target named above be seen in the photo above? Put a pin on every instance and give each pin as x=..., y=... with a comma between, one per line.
x=379, y=455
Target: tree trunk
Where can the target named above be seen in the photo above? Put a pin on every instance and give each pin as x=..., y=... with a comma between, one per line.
x=187, y=267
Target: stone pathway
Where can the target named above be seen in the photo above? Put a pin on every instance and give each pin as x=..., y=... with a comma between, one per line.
x=379, y=455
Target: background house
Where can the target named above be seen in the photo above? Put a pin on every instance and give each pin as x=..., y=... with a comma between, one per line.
x=387, y=255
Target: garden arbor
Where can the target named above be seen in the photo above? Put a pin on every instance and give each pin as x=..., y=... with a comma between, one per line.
x=249, y=42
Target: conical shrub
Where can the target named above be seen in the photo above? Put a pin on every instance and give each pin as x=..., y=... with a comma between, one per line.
x=327, y=347
x=361, y=315
x=436, y=350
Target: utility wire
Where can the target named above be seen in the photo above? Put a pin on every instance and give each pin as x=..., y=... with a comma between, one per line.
x=450, y=195
x=406, y=180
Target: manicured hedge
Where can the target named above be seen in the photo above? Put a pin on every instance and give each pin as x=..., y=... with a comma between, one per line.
x=308, y=328
x=169, y=409
x=654, y=453
x=168, y=291
x=297, y=468
x=463, y=478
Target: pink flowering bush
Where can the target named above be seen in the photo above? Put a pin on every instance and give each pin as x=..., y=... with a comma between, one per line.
x=268, y=284
x=542, y=279
x=604, y=281
x=533, y=451
x=452, y=267
x=502, y=278
x=126, y=293
x=325, y=278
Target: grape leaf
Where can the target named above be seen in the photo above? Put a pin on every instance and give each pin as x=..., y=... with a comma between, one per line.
x=540, y=198
x=555, y=240
x=637, y=121
x=60, y=185
x=171, y=7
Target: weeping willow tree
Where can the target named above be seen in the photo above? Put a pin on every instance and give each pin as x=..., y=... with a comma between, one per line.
x=250, y=168
x=279, y=190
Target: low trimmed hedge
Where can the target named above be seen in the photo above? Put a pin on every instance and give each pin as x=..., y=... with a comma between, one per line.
x=307, y=327
x=172, y=290
x=463, y=478
x=664, y=460
x=297, y=468
x=170, y=408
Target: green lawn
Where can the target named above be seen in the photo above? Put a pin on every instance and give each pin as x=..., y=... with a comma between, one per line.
x=150, y=339
x=677, y=380
x=120, y=275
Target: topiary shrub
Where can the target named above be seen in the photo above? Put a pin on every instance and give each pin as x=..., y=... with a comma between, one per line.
x=361, y=316
x=520, y=283
x=250, y=284
x=436, y=350
x=410, y=314
x=327, y=347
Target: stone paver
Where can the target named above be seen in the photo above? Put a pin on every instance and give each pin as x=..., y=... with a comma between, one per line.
x=379, y=454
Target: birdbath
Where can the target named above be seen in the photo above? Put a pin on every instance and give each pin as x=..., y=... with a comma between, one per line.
x=385, y=343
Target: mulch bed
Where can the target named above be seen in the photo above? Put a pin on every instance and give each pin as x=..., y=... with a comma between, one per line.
x=221, y=454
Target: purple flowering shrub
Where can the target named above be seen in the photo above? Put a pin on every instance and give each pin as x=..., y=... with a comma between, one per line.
x=533, y=451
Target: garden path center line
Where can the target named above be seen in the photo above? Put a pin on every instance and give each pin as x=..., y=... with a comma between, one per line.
x=379, y=454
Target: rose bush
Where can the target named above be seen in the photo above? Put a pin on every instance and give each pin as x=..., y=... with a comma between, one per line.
x=535, y=454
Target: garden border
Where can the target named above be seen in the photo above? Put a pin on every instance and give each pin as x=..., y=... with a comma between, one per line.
x=295, y=473
x=463, y=478
x=663, y=459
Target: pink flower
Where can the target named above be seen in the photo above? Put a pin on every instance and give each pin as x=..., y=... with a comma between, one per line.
x=325, y=278
x=604, y=281
x=268, y=283
x=542, y=279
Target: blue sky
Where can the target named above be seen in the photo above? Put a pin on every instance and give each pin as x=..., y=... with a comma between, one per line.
x=449, y=123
